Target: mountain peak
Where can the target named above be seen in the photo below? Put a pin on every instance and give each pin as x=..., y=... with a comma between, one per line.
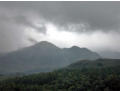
x=75, y=47
x=45, y=43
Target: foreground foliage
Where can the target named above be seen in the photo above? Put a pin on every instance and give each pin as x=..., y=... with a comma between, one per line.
x=92, y=79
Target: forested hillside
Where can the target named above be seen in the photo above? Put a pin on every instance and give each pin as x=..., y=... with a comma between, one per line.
x=71, y=78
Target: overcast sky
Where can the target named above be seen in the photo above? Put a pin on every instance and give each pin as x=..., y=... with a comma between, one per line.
x=95, y=25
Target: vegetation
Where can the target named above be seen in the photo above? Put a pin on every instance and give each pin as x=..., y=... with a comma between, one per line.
x=68, y=79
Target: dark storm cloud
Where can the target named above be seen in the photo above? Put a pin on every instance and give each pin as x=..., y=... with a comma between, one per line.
x=99, y=15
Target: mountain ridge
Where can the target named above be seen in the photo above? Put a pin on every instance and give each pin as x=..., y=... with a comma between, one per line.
x=43, y=57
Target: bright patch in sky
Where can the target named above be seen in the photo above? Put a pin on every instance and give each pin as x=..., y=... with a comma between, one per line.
x=96, y=41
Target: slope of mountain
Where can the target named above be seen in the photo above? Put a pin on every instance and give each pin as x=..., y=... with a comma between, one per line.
x=42, y=57
x=98, y=63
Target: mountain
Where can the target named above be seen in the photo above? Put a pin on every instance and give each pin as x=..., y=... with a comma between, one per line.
x=98, y=63
x=76, y=53
x=42, y=57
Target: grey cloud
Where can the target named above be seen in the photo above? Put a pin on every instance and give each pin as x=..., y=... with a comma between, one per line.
x=32, y=40
x=99, y=15
x=16, y=16
x=11, y=37
x=23, y=20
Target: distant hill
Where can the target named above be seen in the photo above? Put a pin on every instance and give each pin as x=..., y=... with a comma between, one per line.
x=98, y=63
x=43, y=57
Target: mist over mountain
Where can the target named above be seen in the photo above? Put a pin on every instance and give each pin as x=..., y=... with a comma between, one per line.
x=43, y=57
x=110, y=54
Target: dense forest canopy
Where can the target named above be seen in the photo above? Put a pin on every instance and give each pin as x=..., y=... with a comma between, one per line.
x=71, y=78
